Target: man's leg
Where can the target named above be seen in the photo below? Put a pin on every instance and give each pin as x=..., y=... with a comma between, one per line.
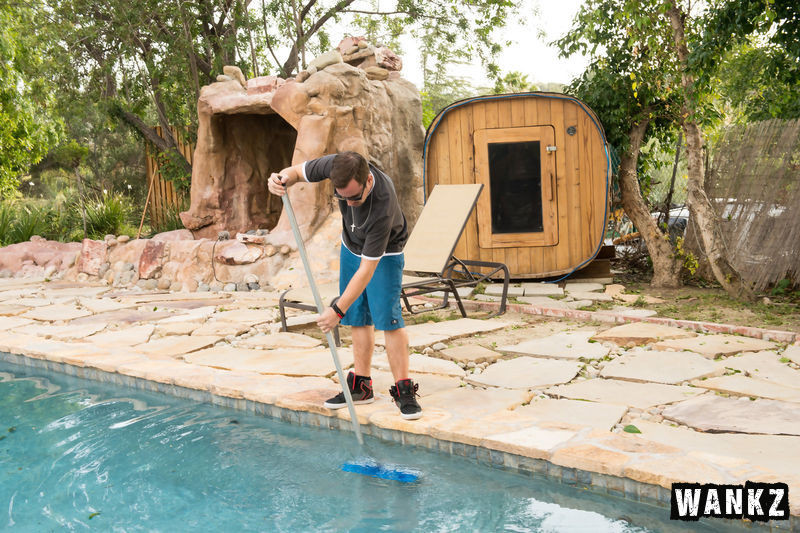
x=363, y=346
x=397, y=351
x=363, y=335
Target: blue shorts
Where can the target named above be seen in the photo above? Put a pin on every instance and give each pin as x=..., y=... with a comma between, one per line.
x=379, y=304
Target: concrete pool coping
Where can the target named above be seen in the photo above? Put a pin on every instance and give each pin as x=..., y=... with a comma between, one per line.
x=624, y=465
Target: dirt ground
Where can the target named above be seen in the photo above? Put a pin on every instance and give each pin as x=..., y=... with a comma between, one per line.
x=777, y=309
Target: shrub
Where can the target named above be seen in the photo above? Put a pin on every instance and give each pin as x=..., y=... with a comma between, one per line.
x=109, y=213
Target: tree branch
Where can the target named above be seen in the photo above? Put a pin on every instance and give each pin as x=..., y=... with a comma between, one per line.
x=291, y=63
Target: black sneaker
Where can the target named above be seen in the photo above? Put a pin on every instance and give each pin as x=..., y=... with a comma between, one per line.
x=404, y=395
x=360, y=389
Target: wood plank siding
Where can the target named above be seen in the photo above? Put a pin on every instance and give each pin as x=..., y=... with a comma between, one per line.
x=574, y=177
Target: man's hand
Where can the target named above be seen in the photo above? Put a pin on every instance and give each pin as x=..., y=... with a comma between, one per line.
x=328, y=320
x=277, y=184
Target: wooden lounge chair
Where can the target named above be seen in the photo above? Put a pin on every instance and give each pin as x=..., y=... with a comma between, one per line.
x=430, y=265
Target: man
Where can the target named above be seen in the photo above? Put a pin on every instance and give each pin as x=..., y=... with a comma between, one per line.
x=374, y=232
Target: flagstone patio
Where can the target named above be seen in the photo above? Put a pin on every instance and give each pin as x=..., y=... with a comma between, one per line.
x=706, y=407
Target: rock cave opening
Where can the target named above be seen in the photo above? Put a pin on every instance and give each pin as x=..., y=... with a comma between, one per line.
x=256, y=145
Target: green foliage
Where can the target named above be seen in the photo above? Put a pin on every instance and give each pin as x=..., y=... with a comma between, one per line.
x=19, y=225
x=61, y=218
x=174, y=170
x=107, y=214
x=781, y=288
x=513, y=82
x=630, y=428
x=760, y=40
x=171, y=222
x=27, y=126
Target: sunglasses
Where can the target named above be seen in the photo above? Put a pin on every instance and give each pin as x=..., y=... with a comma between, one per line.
x=355, y=198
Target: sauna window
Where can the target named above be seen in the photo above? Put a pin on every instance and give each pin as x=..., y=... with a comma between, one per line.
x=515, y=177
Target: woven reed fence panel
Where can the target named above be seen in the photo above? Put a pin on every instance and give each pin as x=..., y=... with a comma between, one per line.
x=165, y=200
x=754, y=184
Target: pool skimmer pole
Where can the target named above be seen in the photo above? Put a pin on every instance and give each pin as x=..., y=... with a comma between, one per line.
x=367, y=467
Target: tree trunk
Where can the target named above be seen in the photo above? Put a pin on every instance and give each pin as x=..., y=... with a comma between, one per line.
x=149, y=133
x=666, y=267
x=700, y=206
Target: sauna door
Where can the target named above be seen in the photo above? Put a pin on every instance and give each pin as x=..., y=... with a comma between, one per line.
x=517, y=167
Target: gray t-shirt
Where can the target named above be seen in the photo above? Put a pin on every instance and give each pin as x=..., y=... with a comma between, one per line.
x=375, y=228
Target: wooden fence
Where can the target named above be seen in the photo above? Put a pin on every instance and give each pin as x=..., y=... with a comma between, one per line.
x=164, y=200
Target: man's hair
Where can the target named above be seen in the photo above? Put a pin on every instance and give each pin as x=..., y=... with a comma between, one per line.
x=347, y=166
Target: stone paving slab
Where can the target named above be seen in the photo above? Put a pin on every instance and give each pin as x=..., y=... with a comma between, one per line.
x=15, y=294
x=129, y=336
x=421, y=364
x=282, y=339
x=629, y=311
x=722, y=449
x=542, y=289
x=496, y=289
x=65, y=333
x=580, y=287
x=476, y=403
x=766, y=366
x=427, y=333
x=638, y=395
x=14, y=322
x=41, y=301
x=122, y=316
x=76, y=291
x=792, y=353
x=591, y=414
x=750, y=387
x=531, y=442
x=713, y=346
x=525, y=373
x=637, y=333
x=567, y=345
x=544, y=301
x=175, y=328
x=12, y=309
x=660, y=367
x=471, y=353
x=197, y=315
x=175, y=346
x=428, y=383
x=314, y=362
x=155, y=297
x=711, y=412
x=194, y=304
x=591, y=296
x=251, y=317
x=56, y=312
x=224, y=328
x=101, y=305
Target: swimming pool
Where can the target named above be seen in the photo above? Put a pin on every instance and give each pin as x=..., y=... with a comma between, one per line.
x=78, y=454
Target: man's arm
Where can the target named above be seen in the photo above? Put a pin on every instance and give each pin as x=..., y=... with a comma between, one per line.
x=329, y=319
x=277, y=183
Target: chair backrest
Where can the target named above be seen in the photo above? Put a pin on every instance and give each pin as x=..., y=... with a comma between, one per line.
x=439, y=227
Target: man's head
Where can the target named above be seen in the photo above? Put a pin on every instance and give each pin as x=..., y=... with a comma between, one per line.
x=349, y=174
x=349, y=166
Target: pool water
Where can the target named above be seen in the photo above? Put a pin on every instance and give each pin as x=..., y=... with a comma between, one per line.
x=83, y=455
